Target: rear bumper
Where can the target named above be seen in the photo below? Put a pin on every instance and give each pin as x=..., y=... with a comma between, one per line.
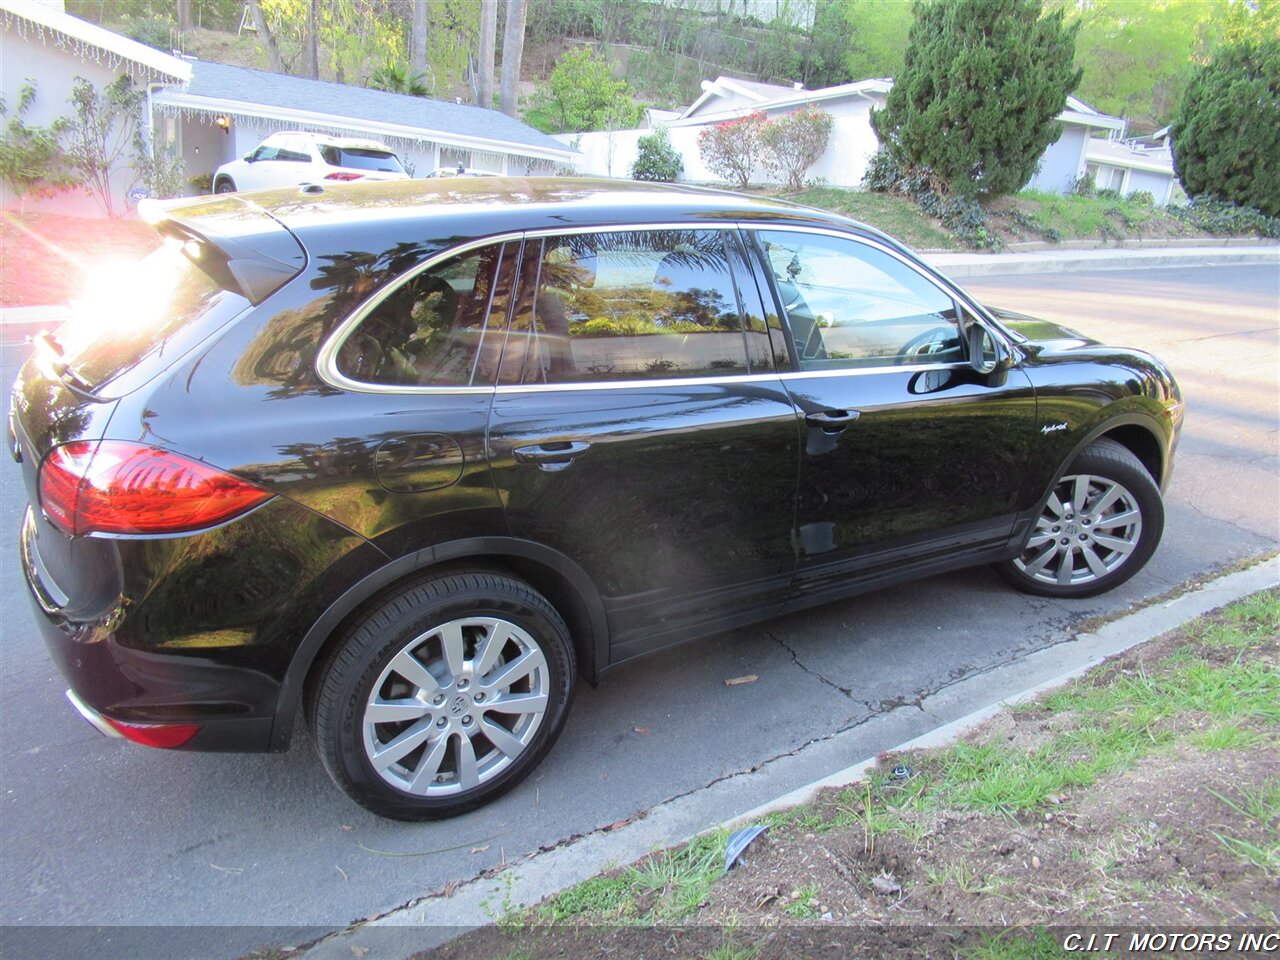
x=95, y=719
x=109, y=680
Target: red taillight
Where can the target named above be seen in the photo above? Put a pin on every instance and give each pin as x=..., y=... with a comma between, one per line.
x=163, y=735
x=120, y=487
x=344, y=176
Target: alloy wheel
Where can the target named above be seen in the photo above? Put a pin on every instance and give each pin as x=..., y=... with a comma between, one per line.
x=456, y=706
x=1089, y=528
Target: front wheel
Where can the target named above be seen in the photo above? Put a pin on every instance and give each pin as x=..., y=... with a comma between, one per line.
x=1099, y=526
x=444, y=696
x=225, y=185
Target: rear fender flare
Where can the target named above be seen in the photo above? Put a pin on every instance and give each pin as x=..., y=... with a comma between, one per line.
x=593, y=656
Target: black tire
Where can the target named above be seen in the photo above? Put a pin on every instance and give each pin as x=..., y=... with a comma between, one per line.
x=225, y=185
x=1123, y=547
x=452, y=722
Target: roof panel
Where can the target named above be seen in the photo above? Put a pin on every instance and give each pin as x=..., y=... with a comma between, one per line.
x=353, y=104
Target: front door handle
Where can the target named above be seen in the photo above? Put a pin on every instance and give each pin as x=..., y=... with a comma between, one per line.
x=552, y=455
x=832, y=421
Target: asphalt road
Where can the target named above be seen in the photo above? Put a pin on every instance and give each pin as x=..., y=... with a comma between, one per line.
x=100, y=832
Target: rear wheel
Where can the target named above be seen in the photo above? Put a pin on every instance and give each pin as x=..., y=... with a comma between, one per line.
x=1099, y=526
x=444, y=696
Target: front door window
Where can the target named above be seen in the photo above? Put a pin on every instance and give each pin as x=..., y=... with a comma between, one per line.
x=852, y=305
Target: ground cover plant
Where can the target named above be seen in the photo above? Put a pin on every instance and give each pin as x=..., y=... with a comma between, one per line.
x=1147, y=793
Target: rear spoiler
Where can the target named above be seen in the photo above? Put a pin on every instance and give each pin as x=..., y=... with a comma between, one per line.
x=238, y=244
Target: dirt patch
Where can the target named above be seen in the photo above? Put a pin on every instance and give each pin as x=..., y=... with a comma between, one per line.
x=1152, y=802
x=1128, y=851
x=46, y=258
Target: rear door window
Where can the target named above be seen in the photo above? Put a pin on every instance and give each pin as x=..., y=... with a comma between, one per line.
x=630, y=305
x=432, y=330
x=360, y=158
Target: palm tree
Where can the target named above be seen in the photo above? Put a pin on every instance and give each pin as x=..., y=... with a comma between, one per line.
x=397, y=78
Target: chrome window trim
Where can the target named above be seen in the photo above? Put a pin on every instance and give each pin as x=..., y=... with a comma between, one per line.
x=327, y=357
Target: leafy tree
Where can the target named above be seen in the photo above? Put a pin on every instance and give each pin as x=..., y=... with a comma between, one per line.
x=1138, y=55
x=31, y=160
x=876, y=32
x=731, y=149
x=656, y=158
x=793, y=142
x=1226, y=138
x=979, y=91
x=582, y=95
x=101, y=131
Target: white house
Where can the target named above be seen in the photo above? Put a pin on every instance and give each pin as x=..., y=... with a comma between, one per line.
x=44, y=45
x=211, y=112
x=1129, y=166
x=853, y=141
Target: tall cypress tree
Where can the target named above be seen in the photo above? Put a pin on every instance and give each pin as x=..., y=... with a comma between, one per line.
x=978, y=95
x=1226, y=138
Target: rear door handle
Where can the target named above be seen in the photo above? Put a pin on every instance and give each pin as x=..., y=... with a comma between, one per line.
x=553, y=455
x=832, y=421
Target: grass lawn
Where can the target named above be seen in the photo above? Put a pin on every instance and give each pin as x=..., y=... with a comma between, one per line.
x=1146, y=794
x=1029, y=216
x=45, y=259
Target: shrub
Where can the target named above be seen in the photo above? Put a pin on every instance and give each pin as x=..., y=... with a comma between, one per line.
x=1226, y=136
x=979, y=92
x=31, y=158
x=965, y=217
x=656, y=158
x=794, y=142
x=1084, y=185
x=1109, y=193
x=732, y=148
x=1142, y=198
x=1218, y=216
x=153, y=31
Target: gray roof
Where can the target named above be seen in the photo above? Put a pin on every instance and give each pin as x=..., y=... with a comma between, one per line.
x=222, y=81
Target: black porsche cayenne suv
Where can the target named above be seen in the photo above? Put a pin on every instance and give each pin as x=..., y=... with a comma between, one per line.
x=407, y=459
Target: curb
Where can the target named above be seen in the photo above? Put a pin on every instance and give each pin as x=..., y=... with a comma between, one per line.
x=961, y=265
x=436, y=919
x=18, y=323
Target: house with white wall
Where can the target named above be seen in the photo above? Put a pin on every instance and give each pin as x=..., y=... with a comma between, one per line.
x=209, y=113
x=853, y=140
x=44, y=46
x=1130, y=165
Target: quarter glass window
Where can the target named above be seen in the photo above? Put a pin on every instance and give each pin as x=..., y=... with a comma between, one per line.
x=634, y=305
x=851, y=305
x=430, y=330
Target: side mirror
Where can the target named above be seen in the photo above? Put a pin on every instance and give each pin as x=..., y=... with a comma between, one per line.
x=986, y=355
x=248, y=157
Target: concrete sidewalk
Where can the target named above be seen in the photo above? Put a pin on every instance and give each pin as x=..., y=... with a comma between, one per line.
x=961, y=265
x=437, y=918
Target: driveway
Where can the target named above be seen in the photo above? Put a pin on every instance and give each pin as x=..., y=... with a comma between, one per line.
x=100, y=832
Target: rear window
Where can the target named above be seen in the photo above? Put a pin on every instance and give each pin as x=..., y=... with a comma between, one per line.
x=361, y=158
x=162, y=304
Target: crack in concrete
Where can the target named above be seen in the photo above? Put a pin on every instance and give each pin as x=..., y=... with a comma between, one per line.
x=813, y=673
x=1231, y=523
x=885, y=707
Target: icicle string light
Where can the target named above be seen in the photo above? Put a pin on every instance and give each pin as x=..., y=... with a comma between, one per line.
x=37, y=32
